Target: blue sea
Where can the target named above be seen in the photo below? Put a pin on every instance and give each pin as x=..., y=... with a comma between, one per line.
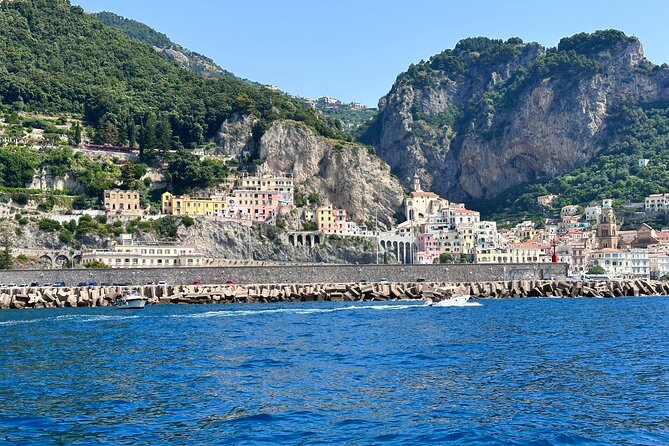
x=512, y=371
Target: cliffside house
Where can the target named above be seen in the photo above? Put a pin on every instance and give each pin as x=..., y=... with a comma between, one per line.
x=657, y=203
x=331, y=220
x=122, y=202
x=194, y=206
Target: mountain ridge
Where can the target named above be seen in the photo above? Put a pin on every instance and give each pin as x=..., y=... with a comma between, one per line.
x=161, y=43
x=491, y=114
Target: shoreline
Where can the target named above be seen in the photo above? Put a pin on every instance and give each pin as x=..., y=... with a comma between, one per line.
x=98, y=296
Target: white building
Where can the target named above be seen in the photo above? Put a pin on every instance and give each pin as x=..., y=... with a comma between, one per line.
x=622, y=263
x=643, y=162
x=592, y=213
x=659, y=265
x=328, y=100
x=486, y=235
x=569, y=211
x=656, y=203
x=129, y=254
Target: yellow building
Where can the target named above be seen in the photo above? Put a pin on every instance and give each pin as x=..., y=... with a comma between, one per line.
x=187, y=205
x=420, y=204
x=122, y=202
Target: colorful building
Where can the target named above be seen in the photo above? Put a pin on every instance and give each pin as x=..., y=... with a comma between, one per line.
x=254, y=205
x=331, y=220
x=428, y=249
x=193, y=206
x=122, y=202
x=267, y=182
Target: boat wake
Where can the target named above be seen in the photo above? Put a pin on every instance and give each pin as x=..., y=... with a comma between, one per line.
x=299, y=311
x=454, y=303
x=69, y=317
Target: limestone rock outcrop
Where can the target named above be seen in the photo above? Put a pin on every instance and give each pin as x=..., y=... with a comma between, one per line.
x=490, y=115
x=348, y=175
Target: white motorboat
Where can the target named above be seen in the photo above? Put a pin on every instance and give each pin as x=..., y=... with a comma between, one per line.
x=131, y=300
x=450, y=301
x=453, y=301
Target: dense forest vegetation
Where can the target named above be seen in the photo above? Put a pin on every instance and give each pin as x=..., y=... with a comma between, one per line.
x=135, y=29
x=193, y=61
x=56, y=58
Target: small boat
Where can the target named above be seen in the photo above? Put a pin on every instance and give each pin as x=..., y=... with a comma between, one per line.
x=450, y=301
x=453, y=301
x=131, y=300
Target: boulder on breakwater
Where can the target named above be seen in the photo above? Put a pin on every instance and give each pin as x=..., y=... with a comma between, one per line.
x=48, y=297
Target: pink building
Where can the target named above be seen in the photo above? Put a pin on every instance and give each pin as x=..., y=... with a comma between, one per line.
x=331, y=221
x=428, y=249
x=255, y=205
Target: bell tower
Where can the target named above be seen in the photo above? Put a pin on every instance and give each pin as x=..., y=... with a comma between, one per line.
x=607, y=228
x=415, y=183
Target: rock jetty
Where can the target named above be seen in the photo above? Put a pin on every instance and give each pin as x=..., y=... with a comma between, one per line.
x=48, y=297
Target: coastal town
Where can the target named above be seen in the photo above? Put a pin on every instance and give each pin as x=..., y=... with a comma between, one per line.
x=436, y=230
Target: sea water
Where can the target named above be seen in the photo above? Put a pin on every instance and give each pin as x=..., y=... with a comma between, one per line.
x=512, y=371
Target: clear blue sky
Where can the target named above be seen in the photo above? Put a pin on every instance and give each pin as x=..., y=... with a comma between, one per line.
x=354, y=49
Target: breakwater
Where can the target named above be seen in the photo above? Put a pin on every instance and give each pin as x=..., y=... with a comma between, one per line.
x=291, y=273
x=46, y=297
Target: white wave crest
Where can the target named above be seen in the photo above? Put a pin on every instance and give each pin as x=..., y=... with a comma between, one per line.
x=301, y=311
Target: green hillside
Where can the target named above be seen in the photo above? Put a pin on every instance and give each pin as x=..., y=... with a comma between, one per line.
x=56, y=58
x=191, y=60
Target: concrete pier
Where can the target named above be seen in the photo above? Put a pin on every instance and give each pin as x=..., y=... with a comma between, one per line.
x=48, y=297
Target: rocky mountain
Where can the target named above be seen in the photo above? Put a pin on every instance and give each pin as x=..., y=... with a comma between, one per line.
x=345, y=174
x=489, y=115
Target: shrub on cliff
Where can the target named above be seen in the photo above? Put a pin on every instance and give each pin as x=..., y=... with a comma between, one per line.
x=48, y=225
x=95, y=264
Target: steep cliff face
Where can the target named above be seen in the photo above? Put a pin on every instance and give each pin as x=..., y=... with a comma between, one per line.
x=345, y=174
x=236, y=241
x=488, y=115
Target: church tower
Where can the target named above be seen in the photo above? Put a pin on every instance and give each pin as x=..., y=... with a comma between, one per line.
x=607, y=228
x=415, y=183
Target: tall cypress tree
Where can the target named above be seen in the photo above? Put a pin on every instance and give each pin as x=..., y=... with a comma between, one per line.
x=132, y=134
x=148, y=141
x=164, y=134
x=76, y=134
x=6, y=261
x=148, y=138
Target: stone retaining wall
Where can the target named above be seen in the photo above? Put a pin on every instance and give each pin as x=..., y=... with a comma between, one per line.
x=18, y=298
x=294, y=274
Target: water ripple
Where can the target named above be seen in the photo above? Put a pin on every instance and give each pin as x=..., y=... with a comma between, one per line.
x=552, y=372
